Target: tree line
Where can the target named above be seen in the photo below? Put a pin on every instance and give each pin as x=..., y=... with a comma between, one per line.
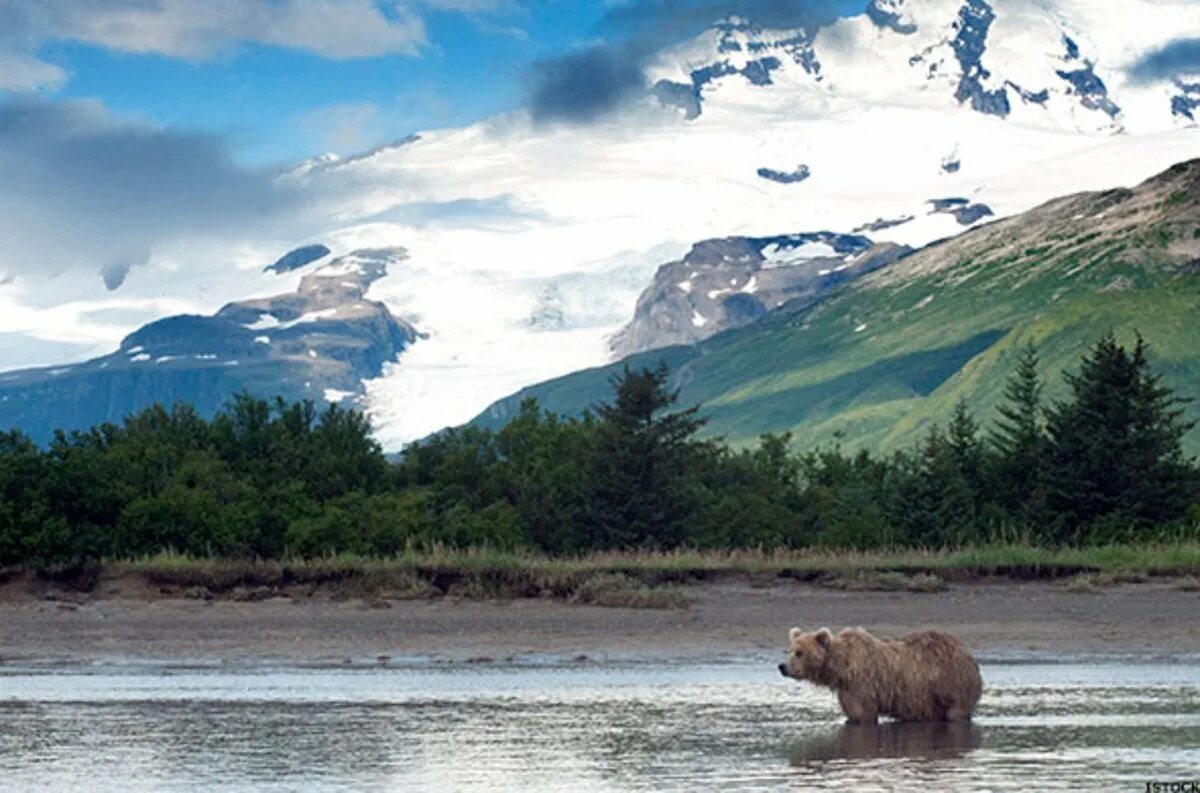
x=1104, y=464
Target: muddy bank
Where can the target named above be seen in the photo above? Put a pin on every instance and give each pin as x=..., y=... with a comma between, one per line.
x=724, y=619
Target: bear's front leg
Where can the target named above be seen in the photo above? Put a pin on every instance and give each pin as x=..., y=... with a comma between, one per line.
x=858, y=710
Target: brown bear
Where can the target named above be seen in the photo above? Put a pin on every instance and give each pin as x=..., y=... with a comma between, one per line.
x=925, y=676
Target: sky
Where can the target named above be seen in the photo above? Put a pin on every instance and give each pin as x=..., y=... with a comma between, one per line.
x=132, y=129
x=280, y=80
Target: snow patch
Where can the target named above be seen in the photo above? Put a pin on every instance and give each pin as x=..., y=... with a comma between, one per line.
x=781, y=256
x=311, y=316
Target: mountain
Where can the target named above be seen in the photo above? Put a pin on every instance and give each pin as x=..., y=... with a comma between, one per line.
x=320, y=342
x=297, y=258
x=530, y=243
x=879, y=359
x=727, y=283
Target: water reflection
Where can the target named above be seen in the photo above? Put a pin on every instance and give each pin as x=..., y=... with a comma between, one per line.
x=644, y=727
x=926, y=741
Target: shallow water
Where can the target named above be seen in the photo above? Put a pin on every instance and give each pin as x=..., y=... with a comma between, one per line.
x=544, y=726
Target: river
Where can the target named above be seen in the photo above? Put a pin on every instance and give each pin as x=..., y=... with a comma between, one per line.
x=553, y=724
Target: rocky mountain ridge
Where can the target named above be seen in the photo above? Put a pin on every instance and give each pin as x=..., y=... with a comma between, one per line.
x=880, y=359
x=727, y=283
x=320, y=342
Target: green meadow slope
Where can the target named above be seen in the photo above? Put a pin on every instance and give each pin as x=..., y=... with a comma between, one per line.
x=879, y=360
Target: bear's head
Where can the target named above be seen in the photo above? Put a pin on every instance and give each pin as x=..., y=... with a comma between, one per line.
x=807, y=655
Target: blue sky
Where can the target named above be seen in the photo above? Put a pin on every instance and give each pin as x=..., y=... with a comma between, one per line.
x=281, y=103
x=276, y=97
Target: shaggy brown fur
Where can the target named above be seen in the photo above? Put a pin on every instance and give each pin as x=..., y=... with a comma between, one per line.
x=926, y=676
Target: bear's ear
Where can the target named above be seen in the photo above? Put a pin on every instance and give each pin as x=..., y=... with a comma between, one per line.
x=794, y=634
x=824, y=637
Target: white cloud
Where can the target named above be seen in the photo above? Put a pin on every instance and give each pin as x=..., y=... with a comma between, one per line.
x=201, y=28
x=25, y=73
x=198, y=29
x=344, y=128
x=468, y=6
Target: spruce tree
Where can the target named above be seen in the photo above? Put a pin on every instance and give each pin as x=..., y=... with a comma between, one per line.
x=1116, y=444
x=1018, y=432
x=1019, y=440
x=933, y=504
x=639, y=464
x=965, y=447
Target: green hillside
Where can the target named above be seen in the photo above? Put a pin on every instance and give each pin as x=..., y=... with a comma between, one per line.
x=880, y=359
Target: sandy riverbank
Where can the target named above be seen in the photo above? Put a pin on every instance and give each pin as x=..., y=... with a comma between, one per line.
x=725, y=619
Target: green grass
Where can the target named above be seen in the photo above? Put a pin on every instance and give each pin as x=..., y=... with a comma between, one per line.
x=1178, y=199
x=814, y=374
x=635, y=580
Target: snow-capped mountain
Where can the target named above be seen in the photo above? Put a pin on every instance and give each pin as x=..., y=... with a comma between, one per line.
x=730, y=282
x=529, y=243
x=318, y=342
x=1055, y=65
x=875, y=364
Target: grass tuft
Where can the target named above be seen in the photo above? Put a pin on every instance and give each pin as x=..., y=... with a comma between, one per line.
x=1189, y=584
x=646, y=577
x=615, y=590
x=886, y=581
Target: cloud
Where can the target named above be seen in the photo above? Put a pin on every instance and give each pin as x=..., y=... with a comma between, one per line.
x=345, y=128
x=468, y=6
x=490, y=28
x=585, y=85
x=198, y=29
x=81, y=188
x=496, y=212
x=661, y=22
x=25, y=73
x=1180, y=57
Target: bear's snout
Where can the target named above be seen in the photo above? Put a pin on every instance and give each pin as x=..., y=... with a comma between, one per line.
x=783, y=670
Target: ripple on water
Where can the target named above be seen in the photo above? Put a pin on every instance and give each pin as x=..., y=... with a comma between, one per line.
x=637, y=727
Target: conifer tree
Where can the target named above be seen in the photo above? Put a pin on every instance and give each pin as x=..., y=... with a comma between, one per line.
x=639, y=464
x=962, y=435
x=1018, y=433
x=1019, y=440
x=1116, y=443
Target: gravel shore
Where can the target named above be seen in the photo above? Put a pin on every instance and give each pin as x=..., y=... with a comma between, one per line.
x=723, y=619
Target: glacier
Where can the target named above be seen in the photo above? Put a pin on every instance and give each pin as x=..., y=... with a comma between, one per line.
x=529, y=244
